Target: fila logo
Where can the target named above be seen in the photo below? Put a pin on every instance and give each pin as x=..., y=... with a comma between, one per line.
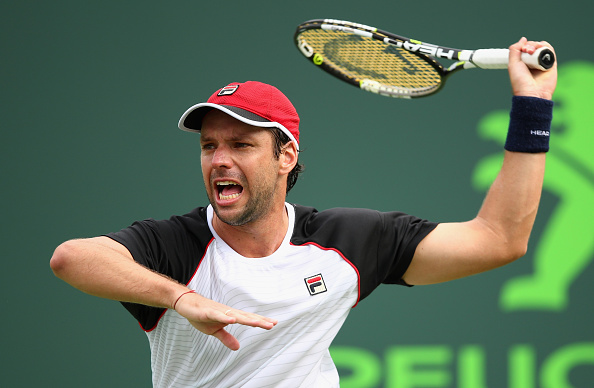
x=315, y=284
x=228, y=90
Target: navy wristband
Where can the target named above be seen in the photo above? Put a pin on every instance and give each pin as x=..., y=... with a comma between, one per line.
x=529, y=125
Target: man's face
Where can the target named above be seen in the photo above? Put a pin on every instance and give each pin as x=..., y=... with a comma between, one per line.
x=240, y=172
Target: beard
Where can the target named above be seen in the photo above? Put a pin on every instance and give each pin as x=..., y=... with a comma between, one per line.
x=260, y=202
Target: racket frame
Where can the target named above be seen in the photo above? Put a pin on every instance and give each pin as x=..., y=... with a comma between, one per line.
x=463, y=59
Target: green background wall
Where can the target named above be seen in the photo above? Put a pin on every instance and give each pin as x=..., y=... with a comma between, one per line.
x=91, y=94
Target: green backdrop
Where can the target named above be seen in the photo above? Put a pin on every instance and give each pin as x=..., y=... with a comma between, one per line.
x=91, y=94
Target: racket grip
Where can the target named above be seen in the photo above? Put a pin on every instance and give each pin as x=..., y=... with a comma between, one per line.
x=542, y=59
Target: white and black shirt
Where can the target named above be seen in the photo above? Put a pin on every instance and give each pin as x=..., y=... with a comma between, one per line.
x=327, y=263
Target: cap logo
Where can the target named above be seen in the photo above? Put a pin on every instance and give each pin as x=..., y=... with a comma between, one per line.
x=228, y=90
x=315, y=284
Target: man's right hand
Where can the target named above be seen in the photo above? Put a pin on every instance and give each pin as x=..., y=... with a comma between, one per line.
x=211, y=318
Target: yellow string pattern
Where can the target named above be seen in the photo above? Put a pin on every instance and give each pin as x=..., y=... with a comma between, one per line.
x=361, y=58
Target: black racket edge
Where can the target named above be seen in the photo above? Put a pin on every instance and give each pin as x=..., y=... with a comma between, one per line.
x=377, y=34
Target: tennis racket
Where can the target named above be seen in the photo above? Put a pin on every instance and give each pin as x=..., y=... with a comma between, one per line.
x=381, y=62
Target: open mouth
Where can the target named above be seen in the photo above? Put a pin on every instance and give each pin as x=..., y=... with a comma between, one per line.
x=227, y=190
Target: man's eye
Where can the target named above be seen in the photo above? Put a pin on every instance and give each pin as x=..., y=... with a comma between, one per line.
x=207, y=146
x=241, y=145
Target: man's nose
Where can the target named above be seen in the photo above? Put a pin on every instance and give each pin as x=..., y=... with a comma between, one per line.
x=222, y=158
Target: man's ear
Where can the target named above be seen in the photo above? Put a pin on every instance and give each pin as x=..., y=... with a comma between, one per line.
x=288, y=157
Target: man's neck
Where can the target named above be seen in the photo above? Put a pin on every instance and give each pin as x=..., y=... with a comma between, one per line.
x=259, y=238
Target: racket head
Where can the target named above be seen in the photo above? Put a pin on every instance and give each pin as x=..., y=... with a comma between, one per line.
x=358, y=55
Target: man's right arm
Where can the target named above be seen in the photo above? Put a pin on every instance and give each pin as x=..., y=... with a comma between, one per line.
x=102, y=267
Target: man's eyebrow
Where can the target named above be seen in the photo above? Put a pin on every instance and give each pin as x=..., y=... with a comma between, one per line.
x=235, y=137
x=204, y=138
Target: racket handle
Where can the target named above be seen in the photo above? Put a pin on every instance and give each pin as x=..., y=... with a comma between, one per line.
x=542, y=59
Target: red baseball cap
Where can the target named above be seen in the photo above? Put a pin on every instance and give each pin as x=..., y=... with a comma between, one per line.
x=252, y=102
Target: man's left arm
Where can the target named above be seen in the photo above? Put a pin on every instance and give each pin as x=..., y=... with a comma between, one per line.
x=500, y=232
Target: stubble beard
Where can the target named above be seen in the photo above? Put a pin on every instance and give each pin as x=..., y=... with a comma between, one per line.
x=259, y=204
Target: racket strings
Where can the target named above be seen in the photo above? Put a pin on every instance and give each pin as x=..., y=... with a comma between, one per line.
x=363, y=58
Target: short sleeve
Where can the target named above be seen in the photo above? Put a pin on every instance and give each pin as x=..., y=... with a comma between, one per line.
x=172, y=247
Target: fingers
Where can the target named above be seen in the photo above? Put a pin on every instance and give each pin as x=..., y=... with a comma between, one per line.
x=218, y=316
x=227, y=339
x=526, y=46
x=526, y=81
x=215, y=322
x=233, y=316
x=522, y=46
x=516, y=48
x=251, y=319
x=197, y=308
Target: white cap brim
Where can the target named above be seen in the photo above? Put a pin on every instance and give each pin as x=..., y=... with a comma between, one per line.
x=195, y=114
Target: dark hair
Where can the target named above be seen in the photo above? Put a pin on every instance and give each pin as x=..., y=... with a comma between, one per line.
x=280, y=140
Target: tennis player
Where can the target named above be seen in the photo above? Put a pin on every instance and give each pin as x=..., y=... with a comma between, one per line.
x=251, y=290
